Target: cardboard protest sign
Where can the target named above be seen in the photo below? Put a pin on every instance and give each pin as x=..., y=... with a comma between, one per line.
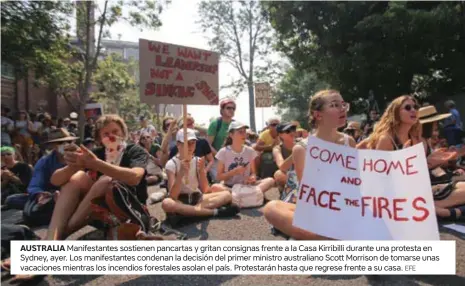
x=172, y=74
x=352, y=194
x=262, y=95
x=93, y=110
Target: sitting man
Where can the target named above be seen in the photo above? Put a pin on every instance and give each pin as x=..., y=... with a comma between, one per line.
x=89, y=175
x=266, y=142
x=287, y=133
x=189, y=192
x=15, y=178
x=41, y=191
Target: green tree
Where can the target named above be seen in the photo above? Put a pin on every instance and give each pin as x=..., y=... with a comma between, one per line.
x=113, y=80
x=136, y=13
x=32, y=27
x=242, y=36
x=391, y=48
x=293, y=93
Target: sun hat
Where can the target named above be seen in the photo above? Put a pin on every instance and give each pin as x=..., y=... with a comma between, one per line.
x=428, y=114
x=59, y=135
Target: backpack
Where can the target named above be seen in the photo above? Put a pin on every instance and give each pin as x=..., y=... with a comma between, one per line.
x=125, y=217
x=245, y=196
x=219, y=123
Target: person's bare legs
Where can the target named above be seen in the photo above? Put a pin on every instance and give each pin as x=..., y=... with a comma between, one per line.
x=66, y=203
x=79, y=218
x=215, y=188
x=206, y=207
x=280, y=178
x=456, y=198
x=266, y=184
x=280, y=215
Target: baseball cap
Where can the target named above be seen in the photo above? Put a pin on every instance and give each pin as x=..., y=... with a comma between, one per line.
x=190, y=135
x=283, y=127
x=236, y=125
x=226, y=101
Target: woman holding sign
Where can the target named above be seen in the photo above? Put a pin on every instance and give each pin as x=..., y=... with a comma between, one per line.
x=327, y=112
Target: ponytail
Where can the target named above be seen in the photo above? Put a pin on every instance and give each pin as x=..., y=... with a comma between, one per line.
x=228, y=141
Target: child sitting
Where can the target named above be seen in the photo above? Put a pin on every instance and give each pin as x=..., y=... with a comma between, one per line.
x=236, y=160
x=189, y=192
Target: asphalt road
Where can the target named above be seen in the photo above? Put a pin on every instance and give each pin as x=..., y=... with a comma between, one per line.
x=251, y=225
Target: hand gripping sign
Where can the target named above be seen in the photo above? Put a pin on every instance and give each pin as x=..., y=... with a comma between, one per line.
x=352, y=194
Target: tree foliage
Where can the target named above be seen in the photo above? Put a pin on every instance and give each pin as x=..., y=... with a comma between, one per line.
x=242, y=35
x=391, y=48
x=293, y=92
x=31, y=29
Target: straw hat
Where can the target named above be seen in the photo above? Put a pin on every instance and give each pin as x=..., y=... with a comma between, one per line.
x=429, y=114
x=60, y=135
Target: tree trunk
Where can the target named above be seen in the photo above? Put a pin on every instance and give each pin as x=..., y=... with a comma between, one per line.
x=252, y=107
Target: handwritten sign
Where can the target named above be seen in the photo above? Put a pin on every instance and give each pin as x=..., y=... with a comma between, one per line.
x=352, y=194
x=172, y=74
x=262, y=95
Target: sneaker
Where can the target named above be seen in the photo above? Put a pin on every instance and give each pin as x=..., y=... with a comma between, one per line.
x=156, y=197
x=228, y=211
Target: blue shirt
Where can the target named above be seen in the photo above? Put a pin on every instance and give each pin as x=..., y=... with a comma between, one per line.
x=43, y=172
x=455, y=117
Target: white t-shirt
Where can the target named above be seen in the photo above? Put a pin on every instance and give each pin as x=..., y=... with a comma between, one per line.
x=231, y=160
x=174, y=166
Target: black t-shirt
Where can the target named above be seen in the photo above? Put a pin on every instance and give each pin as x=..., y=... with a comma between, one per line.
x=23, y=171
x=202, y=149
x=134, y=156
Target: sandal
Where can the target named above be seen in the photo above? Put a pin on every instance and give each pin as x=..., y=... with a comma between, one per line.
x=453, y=215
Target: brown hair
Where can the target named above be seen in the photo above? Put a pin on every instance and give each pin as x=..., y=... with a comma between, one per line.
x=317, y=101
x=104, y=120
x=390, y=121
x=163, y=123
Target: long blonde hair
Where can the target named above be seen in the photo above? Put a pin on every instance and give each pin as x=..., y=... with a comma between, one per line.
x=390, y=121
x=317, y=101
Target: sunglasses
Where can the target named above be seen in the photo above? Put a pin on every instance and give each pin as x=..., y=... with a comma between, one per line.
x=409, y=107
x=146, y=137
x=7, y=154
x=292, y=130
x=230, y=108
x=274, y=124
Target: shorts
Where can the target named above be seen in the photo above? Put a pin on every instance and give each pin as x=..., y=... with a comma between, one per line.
x=444, y=192
x=191, y=199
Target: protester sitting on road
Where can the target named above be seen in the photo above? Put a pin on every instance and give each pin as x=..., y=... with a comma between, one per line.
x=154, y=170
x=40, y=200
x=22, y=134
x=267, y=140
x=328, y=112
x=15, y=176
x=89, y=128
x=89, y=143
x=202, y=147
x=287, y=134
x=189, y=192
x=353, y=130
x=147, y=128
x=398, y=127
x=7, y=127
x=453, y=126
x=236, y=161
x=252, y=138
x=115, y=161
x=218, y=131
x=169, y=139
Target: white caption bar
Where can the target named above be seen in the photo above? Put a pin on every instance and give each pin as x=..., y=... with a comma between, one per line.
x=233, y=257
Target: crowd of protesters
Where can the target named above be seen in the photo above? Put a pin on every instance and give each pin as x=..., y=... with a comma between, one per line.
x=54, y=180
